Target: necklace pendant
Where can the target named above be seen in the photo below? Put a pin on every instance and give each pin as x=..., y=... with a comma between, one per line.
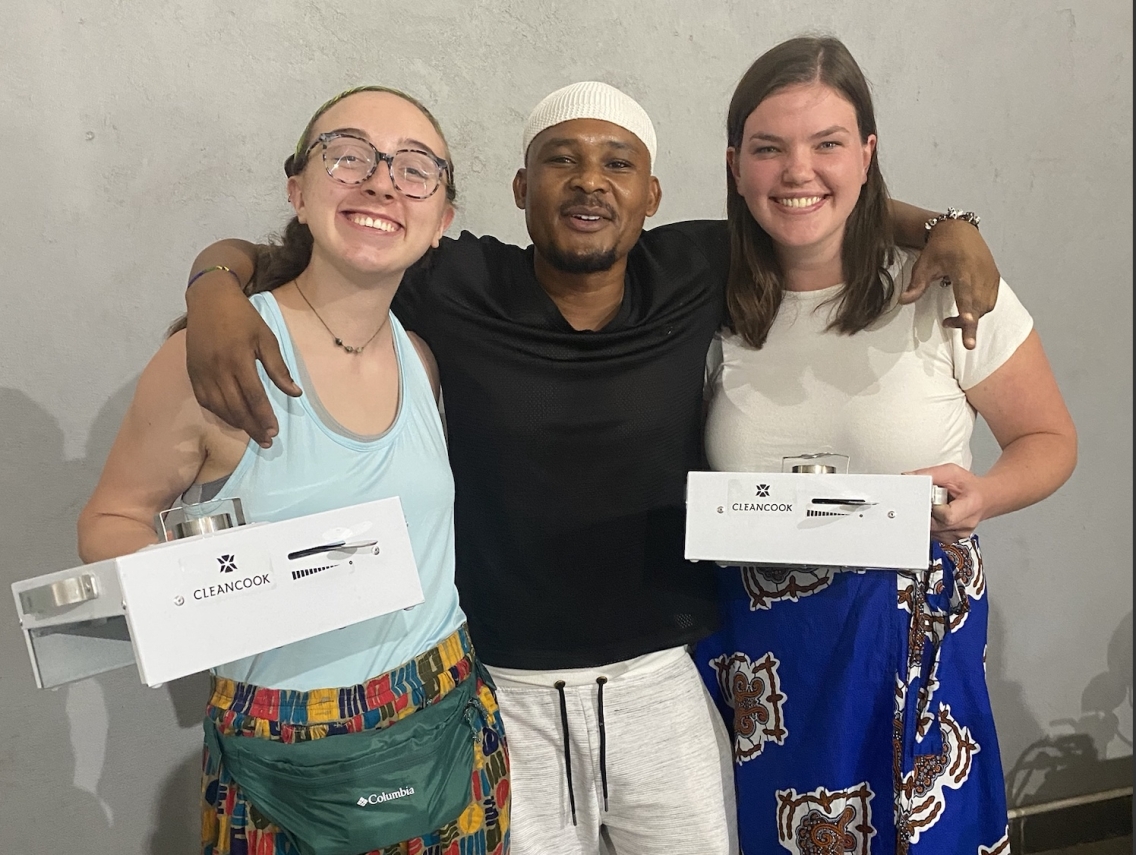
x=349, y=349
x=339, y=342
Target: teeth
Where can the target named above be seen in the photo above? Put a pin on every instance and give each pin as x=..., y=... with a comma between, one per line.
x=588, y=217
x=802, y=202
x=371, y=223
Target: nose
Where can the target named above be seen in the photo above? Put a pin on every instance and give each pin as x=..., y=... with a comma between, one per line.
x=380, y=183
x=589, y=176
x=798, y=166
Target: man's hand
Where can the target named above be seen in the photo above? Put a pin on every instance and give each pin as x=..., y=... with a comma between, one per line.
x=955, y=251
x=225, y=336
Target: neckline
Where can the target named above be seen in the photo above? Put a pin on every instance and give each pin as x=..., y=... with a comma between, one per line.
x=556, y=318
x=310, y=400
x=812, y=296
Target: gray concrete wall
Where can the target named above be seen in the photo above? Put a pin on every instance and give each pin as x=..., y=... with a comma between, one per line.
x=136, y=132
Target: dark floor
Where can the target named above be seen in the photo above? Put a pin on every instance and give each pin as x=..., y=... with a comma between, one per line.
x=1115, y=846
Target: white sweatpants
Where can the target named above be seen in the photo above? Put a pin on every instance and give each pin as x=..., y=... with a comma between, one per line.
x=668, y=760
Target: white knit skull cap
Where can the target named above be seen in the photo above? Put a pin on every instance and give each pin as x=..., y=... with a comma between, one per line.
x=590, y=100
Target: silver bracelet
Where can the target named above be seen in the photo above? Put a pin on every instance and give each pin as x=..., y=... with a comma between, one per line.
x=951, y=214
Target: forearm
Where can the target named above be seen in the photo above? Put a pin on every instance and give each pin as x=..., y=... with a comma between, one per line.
x=239, y=256
x=909, y=223
x=1028, y=470
x=221, y=270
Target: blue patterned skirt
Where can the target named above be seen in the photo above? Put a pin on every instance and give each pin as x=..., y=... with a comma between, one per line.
x=857, y=704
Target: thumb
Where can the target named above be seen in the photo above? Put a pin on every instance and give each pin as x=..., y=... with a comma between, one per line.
x=268, y=350
x=922, y=275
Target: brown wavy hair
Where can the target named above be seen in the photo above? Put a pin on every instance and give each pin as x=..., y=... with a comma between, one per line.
x=288, y=253
x=755, y=283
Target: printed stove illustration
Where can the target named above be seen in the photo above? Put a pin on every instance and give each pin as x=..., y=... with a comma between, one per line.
x=266, y=584
x=810, y=519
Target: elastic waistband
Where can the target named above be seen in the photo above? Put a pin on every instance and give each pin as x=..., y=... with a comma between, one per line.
x=423, y=680
x=643, y=666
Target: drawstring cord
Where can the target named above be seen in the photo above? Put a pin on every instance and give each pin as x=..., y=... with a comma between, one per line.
x=559, y=686
x=603, y=740
x=567, y=753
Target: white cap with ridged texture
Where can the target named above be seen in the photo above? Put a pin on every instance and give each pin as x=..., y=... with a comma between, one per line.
x=590, y=99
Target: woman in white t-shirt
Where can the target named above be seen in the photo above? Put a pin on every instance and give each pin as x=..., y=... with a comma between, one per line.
x=857, y=698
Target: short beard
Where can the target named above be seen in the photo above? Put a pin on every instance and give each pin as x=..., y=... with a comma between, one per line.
x=590, y=262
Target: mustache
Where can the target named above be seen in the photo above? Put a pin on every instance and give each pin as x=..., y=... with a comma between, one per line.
x=583, y=200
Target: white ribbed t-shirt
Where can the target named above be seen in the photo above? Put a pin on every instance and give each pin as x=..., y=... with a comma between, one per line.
x=892, y=397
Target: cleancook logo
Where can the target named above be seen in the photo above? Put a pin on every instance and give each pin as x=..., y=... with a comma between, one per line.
x=228, y=563
x=379, y=798
x=245, y=583
x=762, y=491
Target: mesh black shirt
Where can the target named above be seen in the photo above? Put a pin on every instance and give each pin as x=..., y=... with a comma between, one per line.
x=570, y=449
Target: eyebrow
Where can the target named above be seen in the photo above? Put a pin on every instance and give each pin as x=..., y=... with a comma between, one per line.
x=569, y=141
x=827, y=132
x=405, y=141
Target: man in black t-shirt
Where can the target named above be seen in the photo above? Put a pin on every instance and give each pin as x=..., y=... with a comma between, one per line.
x=572, y=372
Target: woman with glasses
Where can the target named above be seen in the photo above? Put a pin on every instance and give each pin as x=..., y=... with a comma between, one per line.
x=857, y=697
x=372, y=188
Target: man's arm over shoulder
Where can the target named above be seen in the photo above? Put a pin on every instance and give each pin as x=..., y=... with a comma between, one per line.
x=954, y=252
x=225, y=337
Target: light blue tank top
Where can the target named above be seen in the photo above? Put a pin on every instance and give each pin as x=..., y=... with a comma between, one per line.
x=316, y=465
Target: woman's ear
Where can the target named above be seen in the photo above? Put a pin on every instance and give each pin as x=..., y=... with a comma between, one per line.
x=296, y=198
x=869, y=151
x=447, y=218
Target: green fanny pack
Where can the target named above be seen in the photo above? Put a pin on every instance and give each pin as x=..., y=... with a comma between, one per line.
x=349, y=794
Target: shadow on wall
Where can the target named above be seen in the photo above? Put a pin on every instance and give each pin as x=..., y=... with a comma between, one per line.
x=1017, y=726
x=1074, y=763
x=94, y=749
x=177, y=825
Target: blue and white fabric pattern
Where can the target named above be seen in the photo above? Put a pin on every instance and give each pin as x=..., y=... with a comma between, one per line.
x=858, y=708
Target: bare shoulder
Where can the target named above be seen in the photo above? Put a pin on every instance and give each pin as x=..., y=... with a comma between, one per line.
x=428, y=361
x=165, y=379
x=164, y=395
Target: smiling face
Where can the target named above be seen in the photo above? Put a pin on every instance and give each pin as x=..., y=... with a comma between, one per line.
x=370, y=228
x=800, y=166
x=586, y=189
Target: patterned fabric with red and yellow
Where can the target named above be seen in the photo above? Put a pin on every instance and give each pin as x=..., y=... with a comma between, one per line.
x=231, y=825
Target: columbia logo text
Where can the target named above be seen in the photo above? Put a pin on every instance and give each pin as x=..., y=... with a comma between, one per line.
x=379, y=798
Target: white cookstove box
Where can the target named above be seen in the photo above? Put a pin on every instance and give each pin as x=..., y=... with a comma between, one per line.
x=809, y=519
x=188, y=605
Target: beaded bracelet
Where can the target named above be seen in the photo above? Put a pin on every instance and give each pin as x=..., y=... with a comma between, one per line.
x=951, y=214
x=201, y=273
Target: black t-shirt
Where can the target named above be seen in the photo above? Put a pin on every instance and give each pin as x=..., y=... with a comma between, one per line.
x=570, y=448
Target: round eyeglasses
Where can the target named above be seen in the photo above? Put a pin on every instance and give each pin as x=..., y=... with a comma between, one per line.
x=352, y=160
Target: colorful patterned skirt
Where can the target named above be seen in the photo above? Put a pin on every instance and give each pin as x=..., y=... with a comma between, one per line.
x=232, y=826
x=858, y=708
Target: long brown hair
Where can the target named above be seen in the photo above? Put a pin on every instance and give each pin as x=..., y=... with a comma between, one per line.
x=755, y=284
x=287, y=254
